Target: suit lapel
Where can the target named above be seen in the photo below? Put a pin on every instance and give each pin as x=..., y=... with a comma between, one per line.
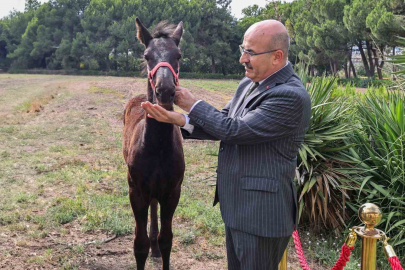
x=278, y=78
x=238, y=101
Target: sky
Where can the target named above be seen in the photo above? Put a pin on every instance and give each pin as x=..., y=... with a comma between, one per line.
x=237, y=5
x=7, y=5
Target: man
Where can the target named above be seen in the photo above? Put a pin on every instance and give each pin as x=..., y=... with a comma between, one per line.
x=260, y=130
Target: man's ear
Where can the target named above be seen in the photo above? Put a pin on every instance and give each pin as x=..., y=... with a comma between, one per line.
x=279, y=55
x=142, y=33
x=178, y=33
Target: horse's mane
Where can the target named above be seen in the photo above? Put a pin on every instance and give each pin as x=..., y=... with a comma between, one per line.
x=163, y=30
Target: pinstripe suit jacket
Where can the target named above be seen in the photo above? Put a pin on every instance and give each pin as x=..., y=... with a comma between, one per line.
x=260, y=138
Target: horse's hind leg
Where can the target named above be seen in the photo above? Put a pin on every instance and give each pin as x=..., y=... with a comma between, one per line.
x=153, y=229
x=167, y=209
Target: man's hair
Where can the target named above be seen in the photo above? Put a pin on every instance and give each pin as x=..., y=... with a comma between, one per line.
x=280, y=41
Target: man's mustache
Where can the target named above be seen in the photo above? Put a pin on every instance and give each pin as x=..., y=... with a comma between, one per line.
x=247, y=66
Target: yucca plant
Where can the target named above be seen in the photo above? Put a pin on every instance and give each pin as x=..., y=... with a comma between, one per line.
x=380, y=153
x=323, y=170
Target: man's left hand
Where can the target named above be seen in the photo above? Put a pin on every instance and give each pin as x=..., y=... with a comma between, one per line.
x=162, y=115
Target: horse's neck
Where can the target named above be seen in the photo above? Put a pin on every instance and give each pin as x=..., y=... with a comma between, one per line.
x=156, y=133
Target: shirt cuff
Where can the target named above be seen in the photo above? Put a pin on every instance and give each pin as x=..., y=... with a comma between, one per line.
x=188, y=126
x=192, y=107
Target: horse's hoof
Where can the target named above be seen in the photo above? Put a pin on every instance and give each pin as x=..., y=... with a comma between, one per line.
x=156, y=254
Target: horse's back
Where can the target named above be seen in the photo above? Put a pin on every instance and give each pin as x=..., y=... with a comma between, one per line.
x=133, y=114
x=133, y=110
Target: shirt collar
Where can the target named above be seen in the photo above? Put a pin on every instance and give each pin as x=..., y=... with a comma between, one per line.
x=273, y=73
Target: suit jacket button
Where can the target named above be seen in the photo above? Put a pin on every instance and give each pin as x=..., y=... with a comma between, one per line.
x=221, y=149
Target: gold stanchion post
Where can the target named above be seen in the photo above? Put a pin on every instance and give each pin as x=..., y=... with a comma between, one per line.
x=370, y=214
x=283, y=263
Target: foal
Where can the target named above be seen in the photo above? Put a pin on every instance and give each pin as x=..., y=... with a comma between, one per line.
x=153, y=150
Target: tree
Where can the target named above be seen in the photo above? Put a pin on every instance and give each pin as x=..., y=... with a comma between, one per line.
x=31, y=5
x=385, y=27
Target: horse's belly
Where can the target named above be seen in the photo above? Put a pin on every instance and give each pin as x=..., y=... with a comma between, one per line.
x=156, y=175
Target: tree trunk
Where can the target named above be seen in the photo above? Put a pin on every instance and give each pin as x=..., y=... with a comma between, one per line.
x=127, y=62
x=223, y=69
x=313, y=70
x=363, y=57
x=213, y=65
x=108, y=62
x=370, y=58
x=351, y=64
x=379, y=66
x=353, y=69
x=347, y=74
x=331, y=66
x=394, y=78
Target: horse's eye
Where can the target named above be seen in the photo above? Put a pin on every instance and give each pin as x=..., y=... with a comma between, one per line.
x=179, y=57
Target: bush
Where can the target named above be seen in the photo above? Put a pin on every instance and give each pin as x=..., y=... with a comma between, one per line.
x=364, y=83
x=322, y=171
x=380, y=154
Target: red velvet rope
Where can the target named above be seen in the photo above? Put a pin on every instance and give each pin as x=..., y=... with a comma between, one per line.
x=395, y=264
x=340, y=264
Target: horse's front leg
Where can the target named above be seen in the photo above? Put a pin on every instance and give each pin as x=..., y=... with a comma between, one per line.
x=167, y=208
x=154, y=229
x=141, y=242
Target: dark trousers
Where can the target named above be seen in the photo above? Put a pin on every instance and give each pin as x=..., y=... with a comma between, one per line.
x=251, y=252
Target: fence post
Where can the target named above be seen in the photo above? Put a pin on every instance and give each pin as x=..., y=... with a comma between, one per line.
x=370, y=214
x=283, y=262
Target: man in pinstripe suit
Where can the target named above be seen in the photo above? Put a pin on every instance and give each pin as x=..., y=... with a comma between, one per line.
x=260, y=130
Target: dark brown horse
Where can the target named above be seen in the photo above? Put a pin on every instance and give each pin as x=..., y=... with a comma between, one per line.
x=153, y=150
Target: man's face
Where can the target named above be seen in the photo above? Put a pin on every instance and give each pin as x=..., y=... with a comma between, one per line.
x=257, y=67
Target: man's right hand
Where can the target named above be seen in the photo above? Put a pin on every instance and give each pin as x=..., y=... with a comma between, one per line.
x=184, y=99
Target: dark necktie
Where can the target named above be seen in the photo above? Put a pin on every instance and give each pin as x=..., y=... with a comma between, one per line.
x=252, y=87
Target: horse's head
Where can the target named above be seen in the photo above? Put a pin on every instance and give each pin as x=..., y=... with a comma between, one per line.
x=162, y=57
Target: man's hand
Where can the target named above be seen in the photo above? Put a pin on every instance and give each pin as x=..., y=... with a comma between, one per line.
x=162, y=115
x=184, y=99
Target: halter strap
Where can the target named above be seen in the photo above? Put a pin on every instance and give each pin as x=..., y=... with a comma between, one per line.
x=152, y=73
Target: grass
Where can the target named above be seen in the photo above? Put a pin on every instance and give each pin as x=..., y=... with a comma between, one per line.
x=223, y=86
x=62, y=168
x=63, y=179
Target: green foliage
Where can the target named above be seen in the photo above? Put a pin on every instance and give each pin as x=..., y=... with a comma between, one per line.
x=380, y=152
x=101, y=34
x=323, y=170
x=364, y=83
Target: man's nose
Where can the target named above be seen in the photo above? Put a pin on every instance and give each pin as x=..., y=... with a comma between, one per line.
x=244, y=58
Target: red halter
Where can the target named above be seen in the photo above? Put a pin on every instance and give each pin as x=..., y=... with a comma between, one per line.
x=152, y=73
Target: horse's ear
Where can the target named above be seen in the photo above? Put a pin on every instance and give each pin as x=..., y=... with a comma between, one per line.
x=142, y=33
x=178, y=33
